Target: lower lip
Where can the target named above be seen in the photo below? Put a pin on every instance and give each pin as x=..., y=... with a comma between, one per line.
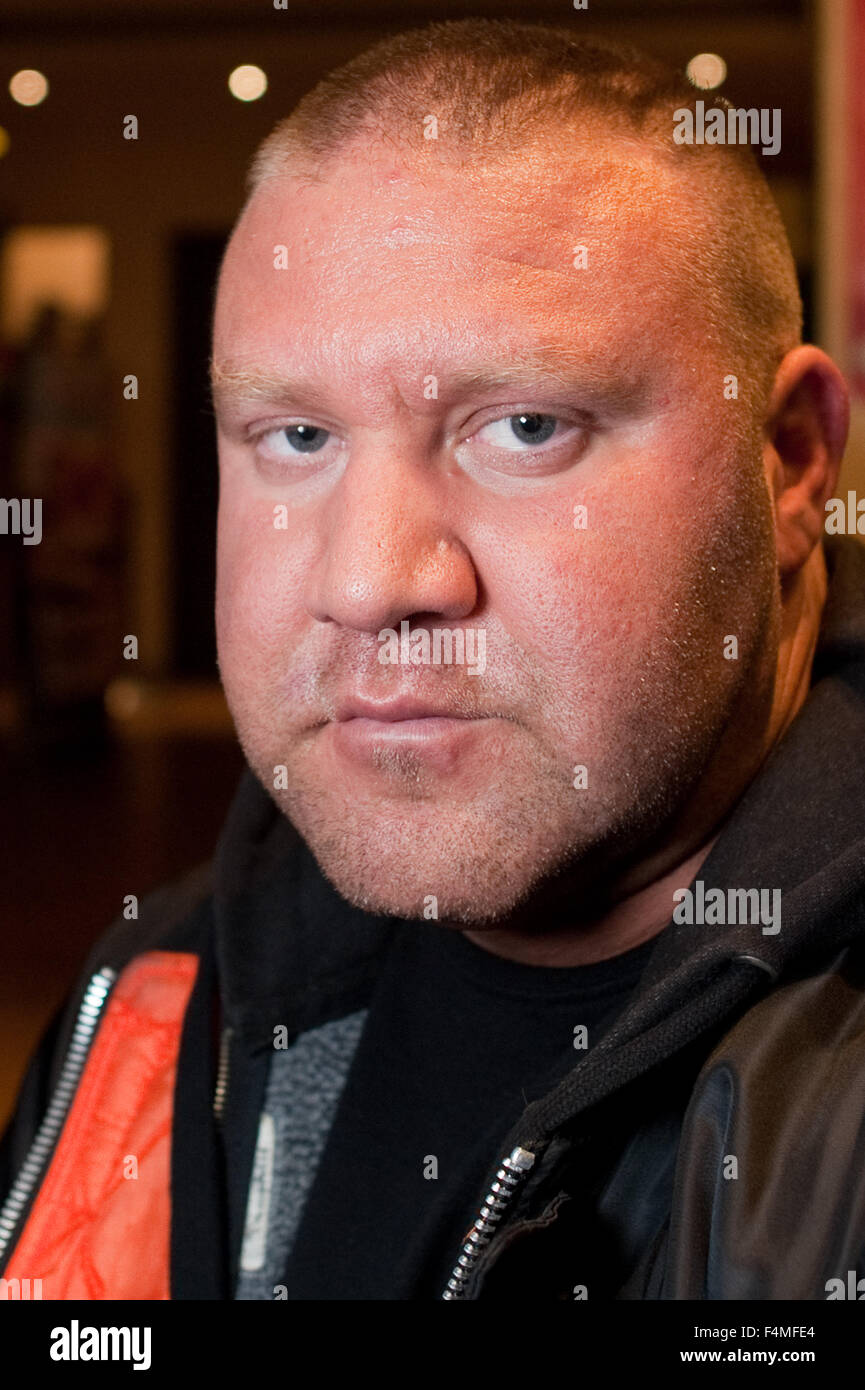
x=437, y=741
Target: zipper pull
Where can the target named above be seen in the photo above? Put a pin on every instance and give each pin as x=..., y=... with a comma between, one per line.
x=509, y=1178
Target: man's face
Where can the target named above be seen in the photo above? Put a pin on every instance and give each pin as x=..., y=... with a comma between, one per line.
x=464, y=390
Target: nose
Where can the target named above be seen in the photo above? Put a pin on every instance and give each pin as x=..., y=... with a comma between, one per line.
x=387, y=548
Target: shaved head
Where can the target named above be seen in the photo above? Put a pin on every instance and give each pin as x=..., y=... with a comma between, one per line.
x=496, y=90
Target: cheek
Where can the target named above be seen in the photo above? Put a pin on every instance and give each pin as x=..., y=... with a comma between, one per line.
x=642, y=592
x=568, y=583
x=257, y=581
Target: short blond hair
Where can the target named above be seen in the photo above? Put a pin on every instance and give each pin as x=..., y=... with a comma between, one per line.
x=494, y=83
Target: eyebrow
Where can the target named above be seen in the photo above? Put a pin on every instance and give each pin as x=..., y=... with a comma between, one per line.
x=558, y=368
x=230, y=384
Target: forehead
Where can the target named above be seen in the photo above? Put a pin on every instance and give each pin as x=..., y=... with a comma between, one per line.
x=579, y=240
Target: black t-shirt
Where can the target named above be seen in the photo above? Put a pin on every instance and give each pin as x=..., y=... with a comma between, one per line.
x=456, y=1043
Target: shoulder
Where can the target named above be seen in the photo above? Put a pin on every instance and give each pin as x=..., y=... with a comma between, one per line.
x=773, y=1142
x=174, y=917
x=809, y=1026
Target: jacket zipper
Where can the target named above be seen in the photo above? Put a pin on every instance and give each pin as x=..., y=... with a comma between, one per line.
x=95, y=995
x=222, y=1075
x=508, y=1180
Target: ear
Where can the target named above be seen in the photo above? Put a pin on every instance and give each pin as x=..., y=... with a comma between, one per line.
x=805, y=434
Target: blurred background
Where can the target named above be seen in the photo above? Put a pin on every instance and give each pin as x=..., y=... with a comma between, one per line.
x=125, y=131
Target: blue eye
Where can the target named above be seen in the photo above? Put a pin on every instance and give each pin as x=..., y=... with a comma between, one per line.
x=305, y=439
x=533, y=429
x=528, y=428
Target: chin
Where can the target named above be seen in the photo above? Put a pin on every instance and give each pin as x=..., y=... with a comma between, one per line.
x=467, y=903
x=440, y=857
x=465, y=873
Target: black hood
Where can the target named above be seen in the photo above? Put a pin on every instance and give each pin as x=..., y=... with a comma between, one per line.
x=290, y=950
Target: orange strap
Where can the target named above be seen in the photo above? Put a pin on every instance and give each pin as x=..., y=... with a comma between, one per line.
x=100, y=1227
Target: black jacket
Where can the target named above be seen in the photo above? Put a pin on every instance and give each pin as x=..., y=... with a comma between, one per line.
x=710, y=1146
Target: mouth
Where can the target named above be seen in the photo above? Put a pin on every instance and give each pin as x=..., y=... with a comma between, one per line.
x=405, y=709
x=436, y=734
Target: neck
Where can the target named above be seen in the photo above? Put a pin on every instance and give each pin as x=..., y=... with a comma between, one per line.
x=630, y=922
